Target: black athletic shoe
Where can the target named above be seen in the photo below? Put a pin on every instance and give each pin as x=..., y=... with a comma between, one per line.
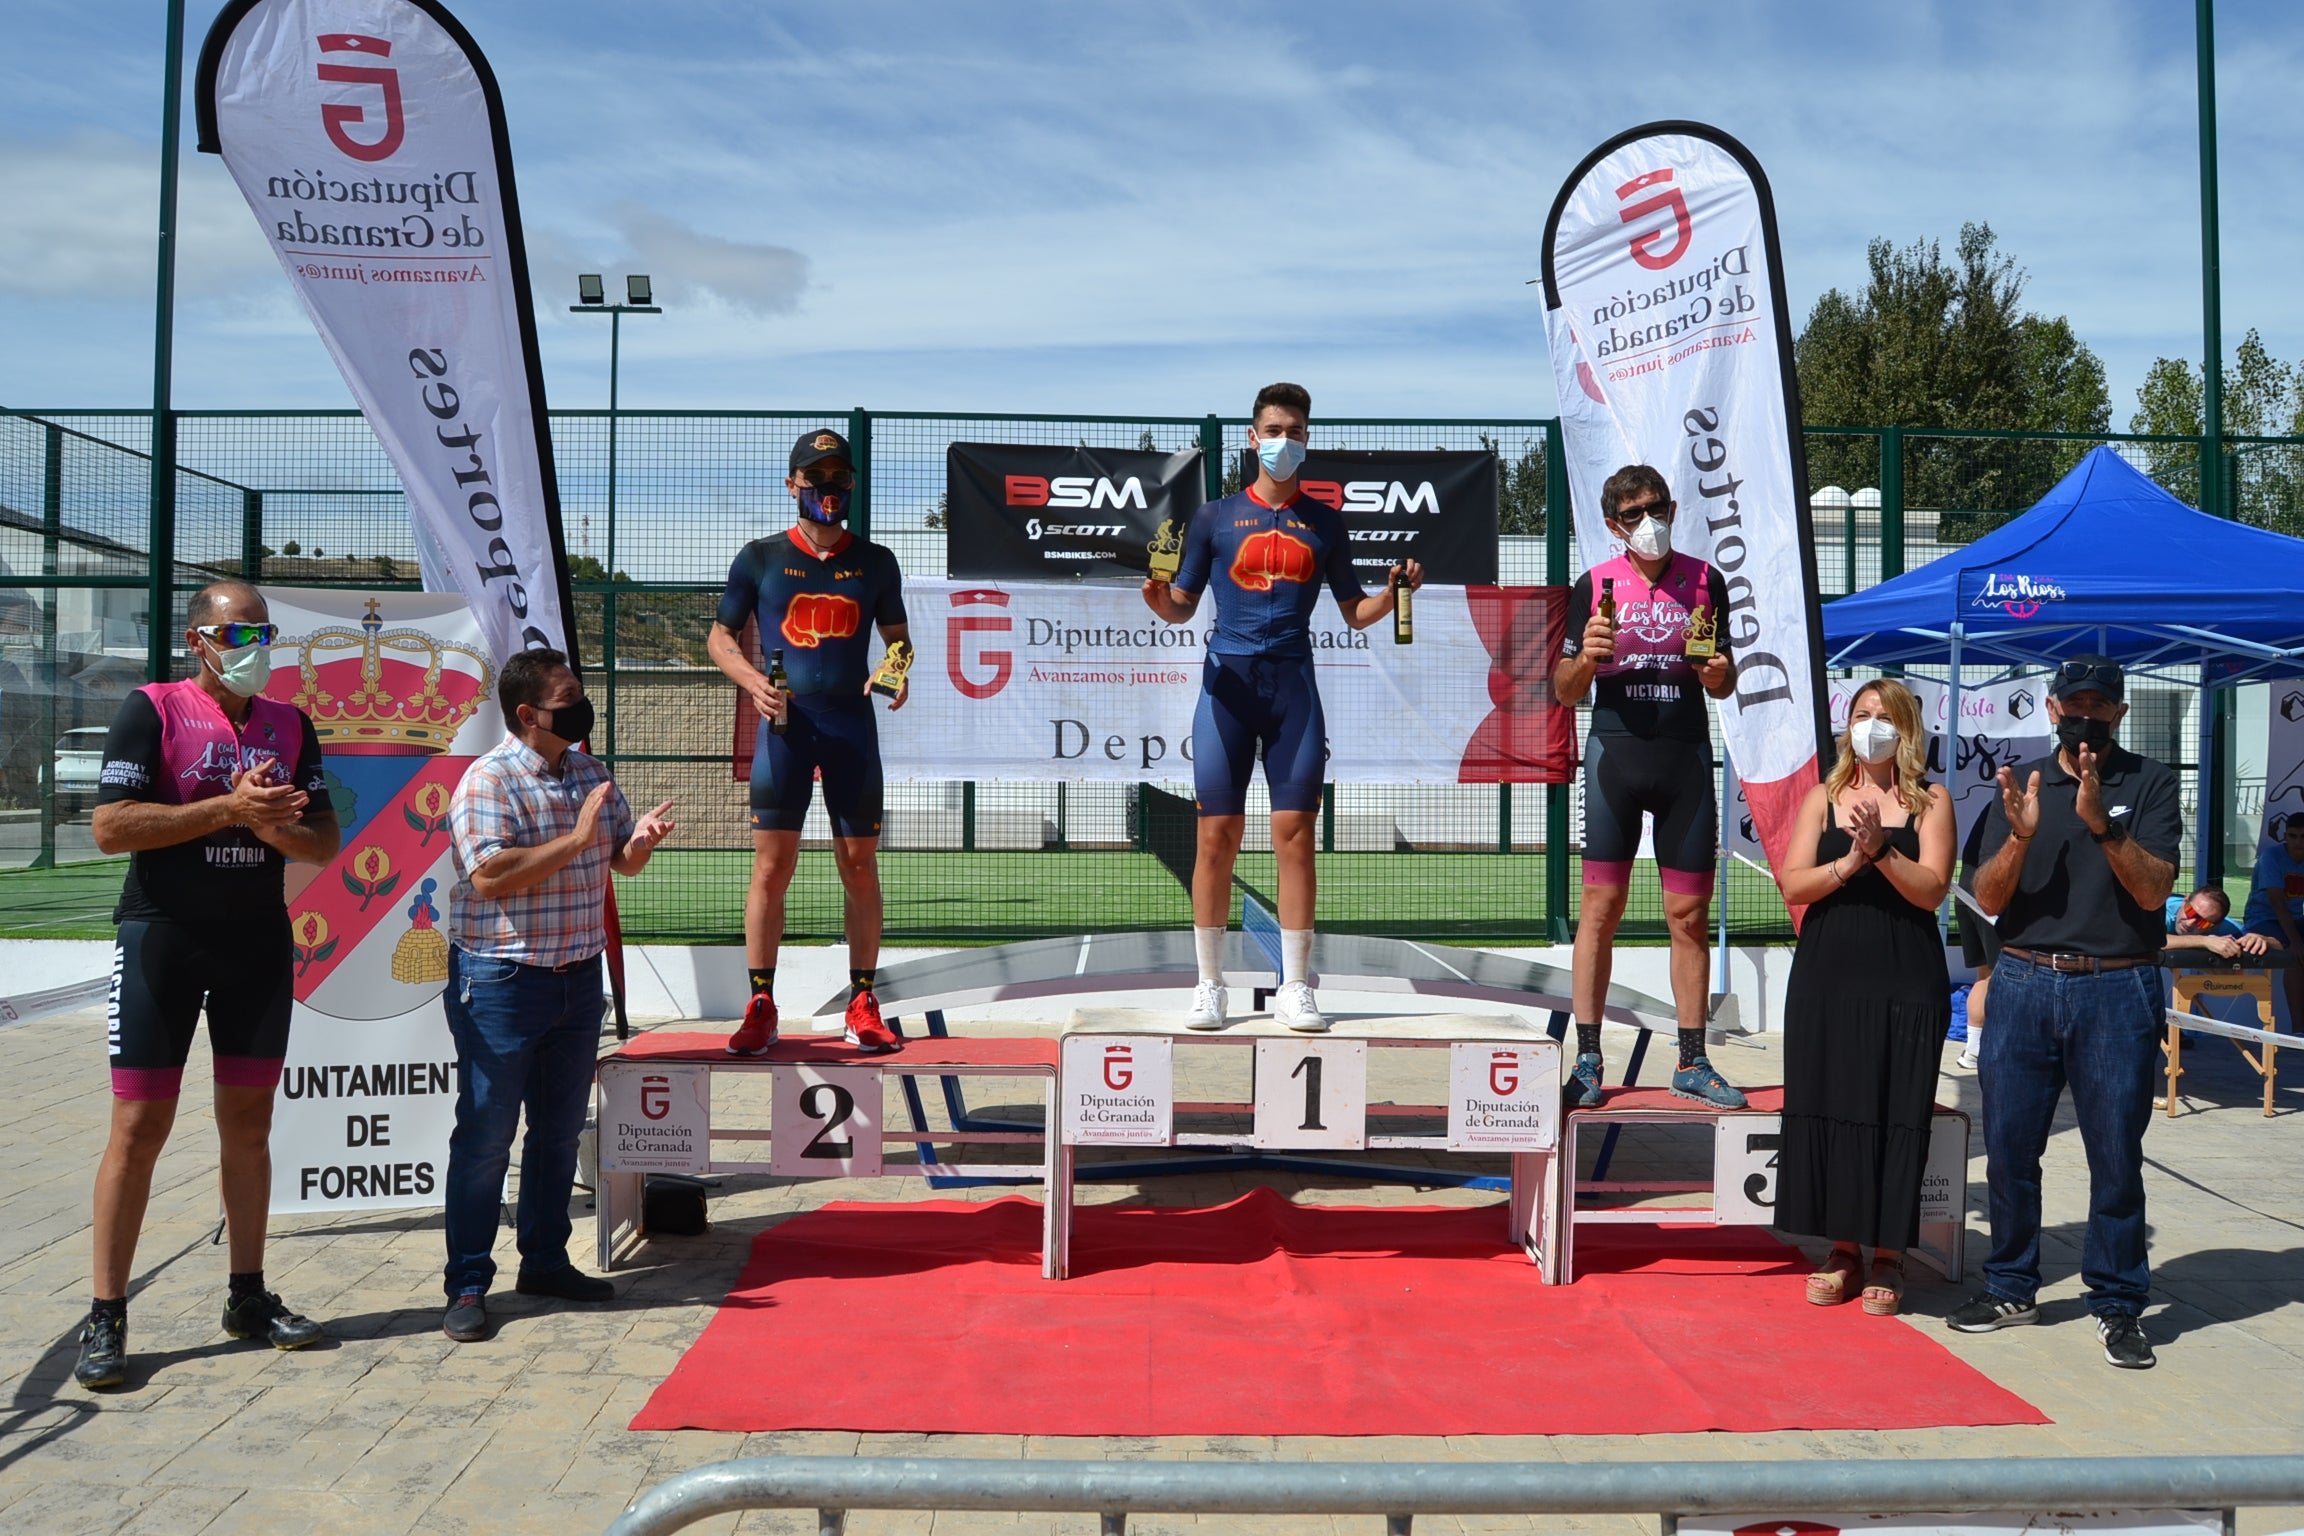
x=2124, y=1343
x=1985, y=1313
x=568, y=1283
x=467, y=1319
x=103, y=1353
x=260, y=1315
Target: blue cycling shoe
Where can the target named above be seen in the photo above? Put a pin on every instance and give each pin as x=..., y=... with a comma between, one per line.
x=1700, y=1082
x=1582, y=1090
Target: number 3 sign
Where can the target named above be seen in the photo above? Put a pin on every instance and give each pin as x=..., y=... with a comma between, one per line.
x=1312, y=1093
x=824, y=1123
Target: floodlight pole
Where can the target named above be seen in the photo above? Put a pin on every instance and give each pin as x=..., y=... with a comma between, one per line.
x=160, y=585
x=2216, y=705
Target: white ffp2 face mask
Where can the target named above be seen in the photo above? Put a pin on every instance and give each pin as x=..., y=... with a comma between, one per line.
x=1651, y=540
x=1874, y=740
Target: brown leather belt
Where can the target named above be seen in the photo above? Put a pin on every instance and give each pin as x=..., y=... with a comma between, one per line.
x=2076, y=964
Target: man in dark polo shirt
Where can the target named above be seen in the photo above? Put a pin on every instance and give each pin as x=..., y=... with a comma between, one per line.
x=2076, y=860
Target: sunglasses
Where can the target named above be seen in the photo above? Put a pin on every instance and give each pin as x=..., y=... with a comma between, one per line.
x=233, y=636
x=840, y=479
x=1660, y=510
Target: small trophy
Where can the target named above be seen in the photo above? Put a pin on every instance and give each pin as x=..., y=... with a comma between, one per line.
x=1703, y=634
x=889, y=680
x=1166, y=551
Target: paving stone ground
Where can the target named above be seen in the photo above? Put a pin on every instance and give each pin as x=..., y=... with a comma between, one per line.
x=391, y=1428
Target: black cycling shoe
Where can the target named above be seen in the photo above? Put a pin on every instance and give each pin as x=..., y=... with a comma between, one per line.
x=260, y=1315
x=103, y=1352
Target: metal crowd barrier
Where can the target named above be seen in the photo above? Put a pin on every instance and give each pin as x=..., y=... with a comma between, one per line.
x=1400, y=1491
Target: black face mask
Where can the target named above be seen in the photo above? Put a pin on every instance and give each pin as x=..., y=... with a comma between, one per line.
x=571, y=722
x=2077, y=731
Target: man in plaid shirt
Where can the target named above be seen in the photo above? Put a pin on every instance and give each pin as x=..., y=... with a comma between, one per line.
x=536, y=825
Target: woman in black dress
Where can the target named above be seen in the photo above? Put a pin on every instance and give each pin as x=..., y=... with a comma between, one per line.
x=1868, y=1000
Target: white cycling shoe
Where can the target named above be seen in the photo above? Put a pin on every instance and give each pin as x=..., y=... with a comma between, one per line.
x=1294, y=1006
x=1208, y=1004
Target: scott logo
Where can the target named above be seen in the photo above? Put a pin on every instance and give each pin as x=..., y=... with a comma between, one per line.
x=1119, y=1067
x=337, y=117
x=1035, y=530
x=960, y=625
x=813, y=617
x=1380, y=496
x=1504, y=1073
x=1644, y=245
x=1075, y=491
x=1271, y=556
x=655, y=1095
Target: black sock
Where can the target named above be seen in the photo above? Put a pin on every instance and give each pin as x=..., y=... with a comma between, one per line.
x=1587, y=1039
x=116, y=1308
x=859, y=980
x=763, y=978
x=249, y=1284
x=1691, y=1047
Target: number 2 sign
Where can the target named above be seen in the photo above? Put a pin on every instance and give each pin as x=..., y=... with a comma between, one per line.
x=824, y=1123
x=1312, y=1093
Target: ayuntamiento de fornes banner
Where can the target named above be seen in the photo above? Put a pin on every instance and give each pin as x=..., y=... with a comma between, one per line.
x=1063, y=681
x=368, y=140
x=1670, y=347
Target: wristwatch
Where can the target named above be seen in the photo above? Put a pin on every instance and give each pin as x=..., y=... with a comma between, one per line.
x=2113, y=832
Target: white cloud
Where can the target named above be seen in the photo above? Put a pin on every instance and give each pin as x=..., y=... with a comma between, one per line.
x=84, y=216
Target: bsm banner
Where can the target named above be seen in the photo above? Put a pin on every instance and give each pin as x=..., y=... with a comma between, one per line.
x=1023, y=512
x=1438, y=506
x=401, y=690
x=1057, y=681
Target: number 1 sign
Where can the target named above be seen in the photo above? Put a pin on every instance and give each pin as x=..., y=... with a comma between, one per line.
x=824, y=1123
x=1312, y=1093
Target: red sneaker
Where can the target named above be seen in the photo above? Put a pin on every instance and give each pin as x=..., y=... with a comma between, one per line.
x=865, y=1031
x=758, y=1031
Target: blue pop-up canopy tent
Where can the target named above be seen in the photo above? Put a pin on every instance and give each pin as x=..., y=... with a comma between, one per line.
x=2107, y=562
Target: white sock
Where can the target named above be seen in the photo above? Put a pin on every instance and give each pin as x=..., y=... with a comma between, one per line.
x=1295, y=955
x=1208, y=944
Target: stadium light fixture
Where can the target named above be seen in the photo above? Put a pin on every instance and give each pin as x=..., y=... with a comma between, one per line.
x=637, y=291
x=589, y=288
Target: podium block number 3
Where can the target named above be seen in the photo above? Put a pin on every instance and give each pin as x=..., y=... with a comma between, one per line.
x=824, y=1123
x=1744, y=1159
x=1311, y=1093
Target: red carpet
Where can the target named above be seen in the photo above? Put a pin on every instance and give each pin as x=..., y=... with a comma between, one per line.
x=1265, y=1318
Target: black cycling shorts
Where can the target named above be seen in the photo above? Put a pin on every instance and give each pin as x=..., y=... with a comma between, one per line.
x=1627, y=777
x=163, y=974
x=835, y=737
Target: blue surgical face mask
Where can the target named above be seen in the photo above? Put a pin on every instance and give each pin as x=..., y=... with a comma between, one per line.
x=1280, y=456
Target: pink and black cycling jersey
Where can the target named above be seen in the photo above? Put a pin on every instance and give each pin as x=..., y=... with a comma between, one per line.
x=171, y=744
x=1649, y=689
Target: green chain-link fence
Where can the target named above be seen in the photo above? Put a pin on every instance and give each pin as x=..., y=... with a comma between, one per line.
x=308, y=498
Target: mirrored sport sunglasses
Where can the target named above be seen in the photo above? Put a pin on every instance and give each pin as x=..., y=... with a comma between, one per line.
x=233, y=636
x=837, y=478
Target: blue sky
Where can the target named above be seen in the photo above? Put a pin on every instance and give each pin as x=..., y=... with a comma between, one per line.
x=1153, y=207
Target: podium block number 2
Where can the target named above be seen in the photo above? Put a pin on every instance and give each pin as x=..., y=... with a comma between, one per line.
x=1312, y=1093
x=824, y=1123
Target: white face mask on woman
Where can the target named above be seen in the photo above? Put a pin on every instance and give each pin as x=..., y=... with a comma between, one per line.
x=1874, y=740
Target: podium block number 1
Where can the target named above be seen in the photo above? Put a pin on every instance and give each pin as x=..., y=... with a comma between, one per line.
x=1312, y=1093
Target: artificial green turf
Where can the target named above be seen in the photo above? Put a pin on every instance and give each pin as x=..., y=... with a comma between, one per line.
x=959, y=898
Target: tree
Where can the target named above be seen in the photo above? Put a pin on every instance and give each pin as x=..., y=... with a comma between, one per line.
x=2263, y=397
x=1937, y=343
x=1519, y=486
x=291, y=548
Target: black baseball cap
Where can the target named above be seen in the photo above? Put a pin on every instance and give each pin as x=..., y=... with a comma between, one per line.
x=2081, y=674
x=817, y=445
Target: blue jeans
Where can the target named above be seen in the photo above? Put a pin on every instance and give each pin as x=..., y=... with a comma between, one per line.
x=2101, y=1034
x=525, y=1037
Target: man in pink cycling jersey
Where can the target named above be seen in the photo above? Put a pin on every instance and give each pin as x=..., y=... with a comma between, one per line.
x=1645, y=640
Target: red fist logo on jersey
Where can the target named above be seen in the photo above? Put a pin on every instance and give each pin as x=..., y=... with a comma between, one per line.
x=1271, y=556
x=815, y=616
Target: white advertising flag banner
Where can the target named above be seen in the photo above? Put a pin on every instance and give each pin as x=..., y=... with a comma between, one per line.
x=2001, y=725
x=2283, y=761
x=369, y=141
x=1077, y=681
x=401, y=691
x=1670, y=347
